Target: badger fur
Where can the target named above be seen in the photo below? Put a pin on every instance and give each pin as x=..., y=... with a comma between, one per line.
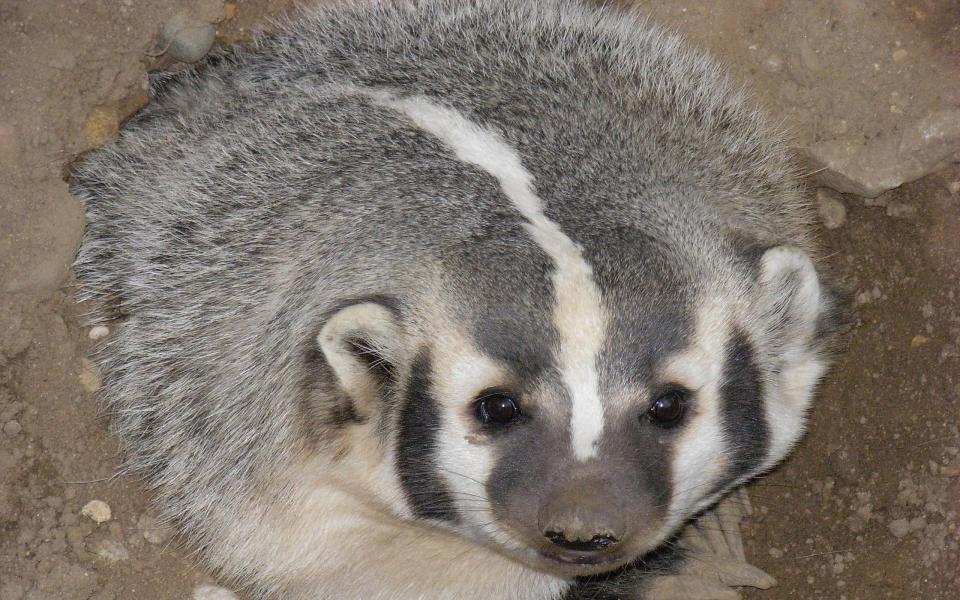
x=450, y=299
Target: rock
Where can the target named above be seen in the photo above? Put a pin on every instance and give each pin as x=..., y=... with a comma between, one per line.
x=12, y=428
x=925, y=146
x=110, y=550
x=899, y=528
x=99, y=332
x=187, y=38
x=101, y=127
x=97, y=510
x=89, y=378
x=833, y=212
x=212, y=592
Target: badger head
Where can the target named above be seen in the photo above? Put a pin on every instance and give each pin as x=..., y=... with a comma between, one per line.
x=575, y=425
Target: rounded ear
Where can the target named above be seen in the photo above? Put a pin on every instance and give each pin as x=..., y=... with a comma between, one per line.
x=792, y=292
x=803, y=305
x=362, y=343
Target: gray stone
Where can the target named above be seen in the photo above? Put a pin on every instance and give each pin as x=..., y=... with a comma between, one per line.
x=187, y=38
x=849, y=166
x=833, y=212
x=97, y=510
x=899, y=528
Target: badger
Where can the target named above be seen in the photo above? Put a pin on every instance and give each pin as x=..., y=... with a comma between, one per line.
x=467, y=299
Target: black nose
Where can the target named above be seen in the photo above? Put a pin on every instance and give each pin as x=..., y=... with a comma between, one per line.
x=594, y=544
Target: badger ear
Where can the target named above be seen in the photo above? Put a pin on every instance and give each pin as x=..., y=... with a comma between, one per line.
x=362, y=343
x=791, y=291
x=803, y=306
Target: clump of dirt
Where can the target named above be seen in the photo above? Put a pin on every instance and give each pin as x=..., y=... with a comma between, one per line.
x=868, y=506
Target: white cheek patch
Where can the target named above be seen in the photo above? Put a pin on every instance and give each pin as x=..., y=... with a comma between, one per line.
x=464, y=464
x=789, y=398
x=578, y=313
x=698, y=458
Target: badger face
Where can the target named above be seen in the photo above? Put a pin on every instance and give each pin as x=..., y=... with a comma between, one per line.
x=578, y=450
x=599, y=378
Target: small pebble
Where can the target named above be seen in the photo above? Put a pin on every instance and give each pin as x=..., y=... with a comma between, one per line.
x=97, y=510
x=900, y=54
x=212, y=592
x=89, y=378
x=832, y=210
x=99, y=332
x=954, y=187
x=919, y=340
x=12, y=428
x=899, y=528
x=775, y=552
x=186, y=38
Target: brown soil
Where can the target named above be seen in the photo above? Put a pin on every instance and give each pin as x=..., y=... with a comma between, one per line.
x=868, y=506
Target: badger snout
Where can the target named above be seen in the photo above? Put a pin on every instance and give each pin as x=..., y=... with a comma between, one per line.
x=583, y=522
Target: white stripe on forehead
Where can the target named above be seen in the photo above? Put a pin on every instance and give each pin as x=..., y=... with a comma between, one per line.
x=578, y=313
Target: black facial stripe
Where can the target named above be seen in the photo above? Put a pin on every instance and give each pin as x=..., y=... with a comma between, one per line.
x=743, y=414
x=416, y=446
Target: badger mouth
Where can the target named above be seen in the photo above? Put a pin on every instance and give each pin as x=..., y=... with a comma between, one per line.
x=576, y=564
x=586, y=560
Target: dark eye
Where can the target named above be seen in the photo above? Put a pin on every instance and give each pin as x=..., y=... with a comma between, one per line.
x=667, y=408
x=497, y=408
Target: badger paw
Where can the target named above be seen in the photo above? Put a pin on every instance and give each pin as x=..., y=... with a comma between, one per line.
x=714, y=561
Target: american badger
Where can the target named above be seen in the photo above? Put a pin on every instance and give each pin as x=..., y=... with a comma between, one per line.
x=466, y=299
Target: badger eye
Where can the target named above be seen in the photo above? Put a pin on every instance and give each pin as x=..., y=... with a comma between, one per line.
x=497, y=408
x=667, y=408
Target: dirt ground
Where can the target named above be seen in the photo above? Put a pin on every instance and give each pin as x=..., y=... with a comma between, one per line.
x=868, y=506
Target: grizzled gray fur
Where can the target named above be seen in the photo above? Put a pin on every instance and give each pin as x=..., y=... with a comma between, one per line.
x=326, y=252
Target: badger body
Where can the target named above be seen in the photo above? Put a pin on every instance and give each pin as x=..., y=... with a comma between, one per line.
x=459, y=299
